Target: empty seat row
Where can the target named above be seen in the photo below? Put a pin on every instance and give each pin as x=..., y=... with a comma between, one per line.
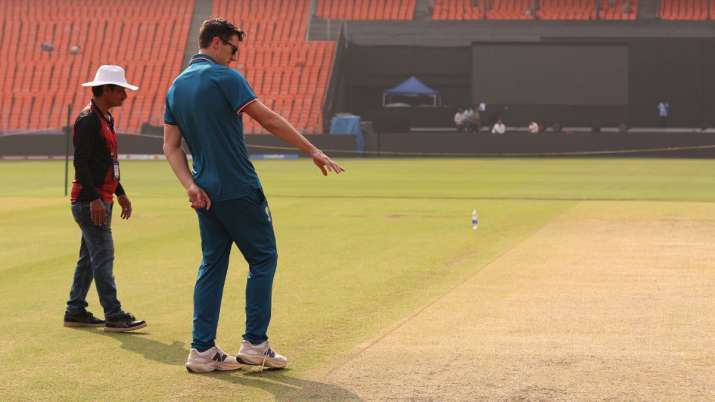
x=366, y=9
x=687, y=10
x=529, y=10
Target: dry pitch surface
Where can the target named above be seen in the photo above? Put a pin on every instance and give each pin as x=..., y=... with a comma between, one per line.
x=610, y=301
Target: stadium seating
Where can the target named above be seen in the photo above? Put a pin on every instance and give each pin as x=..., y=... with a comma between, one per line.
x=509, y=10
x=520, y=10
x=456, y=10
x=288, y=73
x=486, y=9
x=36, y=86
x=148, y=40
x=685, y=10
x=618, y=10
x=366, y=9
x=567, y=10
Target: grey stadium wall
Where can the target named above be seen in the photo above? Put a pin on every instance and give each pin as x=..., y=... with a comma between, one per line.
x=664, y=60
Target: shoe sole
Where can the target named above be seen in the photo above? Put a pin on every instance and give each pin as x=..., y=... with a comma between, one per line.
x=197, y=370
x=82, y=324
x=112, y=329
x=259, y=359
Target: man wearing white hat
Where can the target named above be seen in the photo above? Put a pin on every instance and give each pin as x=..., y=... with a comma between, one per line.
x=93, y=188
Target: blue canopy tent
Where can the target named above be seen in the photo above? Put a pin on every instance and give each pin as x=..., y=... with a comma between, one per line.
x=412, y=87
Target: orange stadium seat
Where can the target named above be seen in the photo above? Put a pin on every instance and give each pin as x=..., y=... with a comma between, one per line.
x=366, y=9
x=486, y=9
x=519, y=10
x=616, y=12
x=567, y=10
x=457, y=10
x=686, y=10
x=509, y=10
x=146, y=38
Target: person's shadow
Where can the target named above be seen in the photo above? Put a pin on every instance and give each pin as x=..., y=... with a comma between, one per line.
x=277, y=382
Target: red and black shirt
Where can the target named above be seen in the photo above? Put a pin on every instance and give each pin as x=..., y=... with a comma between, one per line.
x=96, y=161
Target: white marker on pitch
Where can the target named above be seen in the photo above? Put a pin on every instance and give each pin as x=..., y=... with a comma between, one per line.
x=475, y=219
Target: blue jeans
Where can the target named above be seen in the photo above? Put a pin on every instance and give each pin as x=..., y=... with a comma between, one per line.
x=247, y=223
x=96, y=261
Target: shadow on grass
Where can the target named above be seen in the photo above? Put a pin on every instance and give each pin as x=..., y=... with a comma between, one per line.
x=277, y=382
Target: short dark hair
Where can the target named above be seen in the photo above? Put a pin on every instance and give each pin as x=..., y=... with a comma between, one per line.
x=99, y=90
x=220, y=27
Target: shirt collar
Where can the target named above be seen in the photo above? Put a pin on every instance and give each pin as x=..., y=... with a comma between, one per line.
x=200, y=57
x=99, y=112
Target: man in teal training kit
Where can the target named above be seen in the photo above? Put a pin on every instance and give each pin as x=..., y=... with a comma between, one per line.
x=204, y=106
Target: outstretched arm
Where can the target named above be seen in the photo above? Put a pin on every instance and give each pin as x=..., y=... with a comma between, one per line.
x=281, y=128
x=177, y=160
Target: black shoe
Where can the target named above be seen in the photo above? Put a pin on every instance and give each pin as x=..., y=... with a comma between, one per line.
x=83, y=319
x=124, y=322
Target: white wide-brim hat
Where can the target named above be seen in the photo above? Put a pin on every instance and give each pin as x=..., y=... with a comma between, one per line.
x=113, y=75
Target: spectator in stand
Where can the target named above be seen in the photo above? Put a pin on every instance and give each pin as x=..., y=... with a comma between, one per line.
x=478, y=120
x=459, y=120
x=75, y=50
x=482, y=107
x=534, y=127
x=472, y=121
x=47, y=47
x=663, y=113
x=468, y=112
x=499, y=127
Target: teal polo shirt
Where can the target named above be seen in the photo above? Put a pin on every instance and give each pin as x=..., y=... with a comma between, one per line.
x=205, y=101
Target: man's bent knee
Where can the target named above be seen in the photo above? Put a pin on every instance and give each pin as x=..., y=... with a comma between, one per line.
x=265, y=261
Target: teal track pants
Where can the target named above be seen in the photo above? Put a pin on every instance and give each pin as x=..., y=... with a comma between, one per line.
x=247, y=223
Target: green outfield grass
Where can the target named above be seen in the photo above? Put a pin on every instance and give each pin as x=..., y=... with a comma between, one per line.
x=357, y=253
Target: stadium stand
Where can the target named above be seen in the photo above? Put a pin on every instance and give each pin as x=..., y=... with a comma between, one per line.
x=520, y=10
x=619, y=10
x=456, y=10
x=41, y=75
x=685, y=9
x=366, y=9
x=288, y=73
x=36, y=86
x=495, y=9
x=567, y=10
x=509, y=10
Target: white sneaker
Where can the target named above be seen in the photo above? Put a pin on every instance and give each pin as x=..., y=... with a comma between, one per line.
x=210, y=360
x=260, y=355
